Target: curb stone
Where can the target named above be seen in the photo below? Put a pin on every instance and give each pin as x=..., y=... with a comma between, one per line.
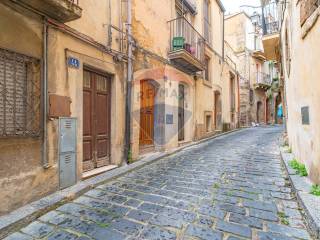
x=26, y=214
x=301, y=187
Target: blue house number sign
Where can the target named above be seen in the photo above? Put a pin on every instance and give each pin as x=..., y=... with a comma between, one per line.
x=73, y=62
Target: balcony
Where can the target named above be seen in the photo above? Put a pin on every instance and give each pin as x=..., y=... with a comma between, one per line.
x=271, y=28
x=263, y=82
x=60, y=10
x=186, y=46
x=259, y=54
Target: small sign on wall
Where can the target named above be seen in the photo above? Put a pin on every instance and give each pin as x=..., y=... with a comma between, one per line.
x=305, y=116
x=73, y=62
x=169, y=118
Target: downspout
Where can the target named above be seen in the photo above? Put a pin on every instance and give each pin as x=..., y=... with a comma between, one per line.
x=127, y=149
x=45, y=163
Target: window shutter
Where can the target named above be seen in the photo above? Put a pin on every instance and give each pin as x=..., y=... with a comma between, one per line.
x=307, y=7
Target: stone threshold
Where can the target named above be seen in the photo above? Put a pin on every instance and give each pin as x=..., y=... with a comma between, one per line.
x=24, y=215
x=302, y=186
x=98, y=171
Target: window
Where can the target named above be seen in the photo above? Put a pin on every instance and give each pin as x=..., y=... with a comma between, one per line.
x=287, y=53
x=251, y=96
x=208, y=123
x=232, y=92
x=207, y=20
x=207, y=70
x=307, y=7
x=179, y=8
x=19, y=95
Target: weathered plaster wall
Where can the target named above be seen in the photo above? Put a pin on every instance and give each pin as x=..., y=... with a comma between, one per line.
x=68, y=82
x=302, y=89
x=22, y=177
x=205, y=89
x=96, y=17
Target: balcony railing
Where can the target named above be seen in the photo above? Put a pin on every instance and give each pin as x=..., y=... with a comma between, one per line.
x=270, y=23
x=271, y=28
x=186, y=45
x=263, y=79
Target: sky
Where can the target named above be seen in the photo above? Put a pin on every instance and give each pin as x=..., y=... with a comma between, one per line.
x=234, y=5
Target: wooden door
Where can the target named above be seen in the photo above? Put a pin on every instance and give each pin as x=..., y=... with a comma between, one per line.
x=217, y=111
x=96, y=120
x=181, y=113
x=147, y=113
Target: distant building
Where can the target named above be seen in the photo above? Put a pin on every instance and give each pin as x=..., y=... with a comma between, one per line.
x=243, y=35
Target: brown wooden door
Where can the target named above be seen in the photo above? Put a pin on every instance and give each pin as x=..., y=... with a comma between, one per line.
x=181, y=113
x=96, y=120
x=147, y=113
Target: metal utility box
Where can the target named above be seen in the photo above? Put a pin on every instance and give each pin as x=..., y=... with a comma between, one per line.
x=59, y=106
x=67, y=152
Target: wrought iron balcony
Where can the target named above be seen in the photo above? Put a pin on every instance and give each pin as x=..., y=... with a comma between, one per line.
x=263, y=80
x=270, y=15
x=271, y=28
x=186, y=46
x=60, y=10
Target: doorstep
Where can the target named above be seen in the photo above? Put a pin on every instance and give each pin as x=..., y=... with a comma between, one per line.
x=98, y=171
x=309, y=202
x=28, y=213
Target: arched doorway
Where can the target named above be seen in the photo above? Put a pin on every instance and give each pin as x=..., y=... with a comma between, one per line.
x=147, y=109
x=217, y=111
x=260, y=112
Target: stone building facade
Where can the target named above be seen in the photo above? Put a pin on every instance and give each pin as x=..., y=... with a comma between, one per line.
x=190, y=85
x=53, y=53
x=300, y=34
x=63, y=87
x=244, y=36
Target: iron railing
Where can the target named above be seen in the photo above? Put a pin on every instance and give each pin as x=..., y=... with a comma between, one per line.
x=270, y=22
x=263, y=78
x=271, y=28
x=190, y=39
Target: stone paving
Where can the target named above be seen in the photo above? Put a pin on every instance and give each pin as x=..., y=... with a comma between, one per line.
x=233, y=187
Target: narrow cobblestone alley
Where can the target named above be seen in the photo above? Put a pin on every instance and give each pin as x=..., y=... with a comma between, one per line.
x=232, y=187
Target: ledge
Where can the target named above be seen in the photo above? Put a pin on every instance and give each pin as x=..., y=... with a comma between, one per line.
x=309, y=202
x=23, y=216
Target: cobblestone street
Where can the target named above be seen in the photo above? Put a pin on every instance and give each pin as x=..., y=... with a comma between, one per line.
x=232, y=187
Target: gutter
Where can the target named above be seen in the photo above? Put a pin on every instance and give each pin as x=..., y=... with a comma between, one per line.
x=221, y=5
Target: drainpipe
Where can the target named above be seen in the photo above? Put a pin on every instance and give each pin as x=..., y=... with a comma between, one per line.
x=129, y=85
x=45, y=163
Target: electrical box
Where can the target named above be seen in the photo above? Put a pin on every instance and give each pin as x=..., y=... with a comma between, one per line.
x=67, y=152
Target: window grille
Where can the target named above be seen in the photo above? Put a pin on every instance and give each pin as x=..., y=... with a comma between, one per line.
x=20, y=95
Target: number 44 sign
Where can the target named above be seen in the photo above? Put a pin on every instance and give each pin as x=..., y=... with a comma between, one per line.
x=73, y=62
